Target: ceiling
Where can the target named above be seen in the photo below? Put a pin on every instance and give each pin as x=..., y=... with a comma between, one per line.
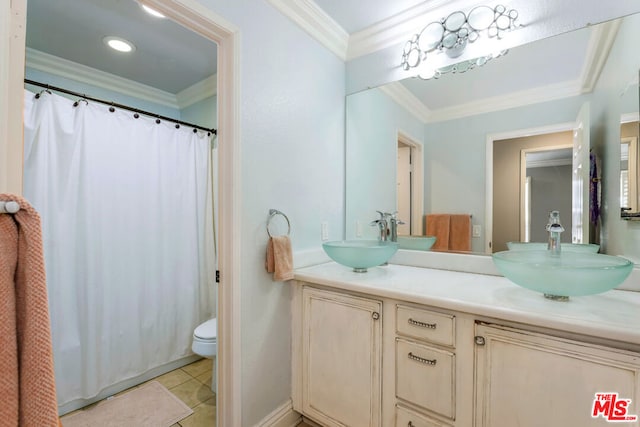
x=167, y=56
x=171, y=58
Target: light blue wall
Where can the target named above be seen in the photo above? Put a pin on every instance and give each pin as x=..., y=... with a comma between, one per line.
x=455, y=155
x=373, y=122
x=292, y=131
x=203, y=113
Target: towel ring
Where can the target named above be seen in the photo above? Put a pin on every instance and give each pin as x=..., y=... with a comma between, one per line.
x=274, y=212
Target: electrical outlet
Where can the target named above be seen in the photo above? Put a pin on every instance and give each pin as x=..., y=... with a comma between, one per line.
x=358, y=228
x=477, y=230
x=324, y=231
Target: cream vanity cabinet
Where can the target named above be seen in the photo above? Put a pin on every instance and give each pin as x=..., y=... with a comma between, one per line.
x=361, y=360
x=341, y=358
x=530, y=379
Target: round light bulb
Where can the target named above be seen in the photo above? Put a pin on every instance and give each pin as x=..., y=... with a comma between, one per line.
x=119, y=44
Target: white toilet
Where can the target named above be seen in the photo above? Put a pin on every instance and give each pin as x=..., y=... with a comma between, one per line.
x=205, y=344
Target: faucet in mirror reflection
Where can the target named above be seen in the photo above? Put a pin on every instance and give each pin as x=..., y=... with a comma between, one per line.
x=554, y=227
x=388, y=226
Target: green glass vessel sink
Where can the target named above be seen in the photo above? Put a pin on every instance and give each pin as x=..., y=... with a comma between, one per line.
x=360, y=254
x=542, y=246
x=416, y=243
x=563, y=275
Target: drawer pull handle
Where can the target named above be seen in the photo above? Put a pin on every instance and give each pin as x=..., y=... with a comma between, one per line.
x=422, y=324
x=430, y=362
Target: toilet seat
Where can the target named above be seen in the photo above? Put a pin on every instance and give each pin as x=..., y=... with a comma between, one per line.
x=205, y=339
x=208, y=331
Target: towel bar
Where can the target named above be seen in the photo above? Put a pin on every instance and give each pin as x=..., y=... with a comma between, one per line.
x=274, y=212
x=9, y=207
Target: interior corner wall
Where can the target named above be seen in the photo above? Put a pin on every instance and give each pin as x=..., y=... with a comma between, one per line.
x=292, y=110
x=203, y=113
x=373, y=122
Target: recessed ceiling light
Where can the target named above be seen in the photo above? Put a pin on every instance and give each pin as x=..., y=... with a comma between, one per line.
x=152, y=12
x=119, y=44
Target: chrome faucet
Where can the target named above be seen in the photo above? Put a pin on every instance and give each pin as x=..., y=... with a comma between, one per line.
x=554, y=228
x=383, y=226
x=393, y=226
x=388, y=226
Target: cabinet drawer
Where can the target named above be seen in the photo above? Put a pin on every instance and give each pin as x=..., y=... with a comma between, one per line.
x=427, y=325
x=408, y=418
x=425, y=377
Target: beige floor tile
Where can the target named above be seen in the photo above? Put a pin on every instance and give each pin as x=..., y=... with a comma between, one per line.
x=173, y=378
x=204, y=415
x=205, y=378
x=192, y=392
x=198, y=368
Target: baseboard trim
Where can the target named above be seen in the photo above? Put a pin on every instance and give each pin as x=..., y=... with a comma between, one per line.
x=282, y=416
x=128, y=383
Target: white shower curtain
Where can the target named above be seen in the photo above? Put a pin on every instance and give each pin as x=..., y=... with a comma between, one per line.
x=125, y=219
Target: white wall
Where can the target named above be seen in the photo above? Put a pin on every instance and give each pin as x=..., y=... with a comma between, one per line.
x=292, y=130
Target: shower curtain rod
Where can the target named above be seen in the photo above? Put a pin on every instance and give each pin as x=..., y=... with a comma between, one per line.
x=114, y=104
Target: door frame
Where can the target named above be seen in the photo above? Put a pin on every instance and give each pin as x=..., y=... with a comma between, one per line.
x=206, y=23
x=523, y=179
x=491, y=137
x=417, y=180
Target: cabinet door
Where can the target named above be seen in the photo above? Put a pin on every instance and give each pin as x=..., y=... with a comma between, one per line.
x=527, y=379
x=341, y=359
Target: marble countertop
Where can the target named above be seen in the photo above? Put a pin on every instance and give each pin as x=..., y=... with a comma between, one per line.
x=613, y=315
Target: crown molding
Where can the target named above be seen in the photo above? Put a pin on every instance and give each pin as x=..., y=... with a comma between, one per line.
x=398, y=28
x=197, y=92
x=511, y=100
x=548, y=163
x=403, y=97
x=72, y=70
x=52, y=64
x=312, y=19
x=602, y=38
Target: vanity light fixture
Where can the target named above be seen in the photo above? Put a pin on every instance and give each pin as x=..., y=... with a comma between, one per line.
x=119, y=44
x=452, y=34
x=151, y=11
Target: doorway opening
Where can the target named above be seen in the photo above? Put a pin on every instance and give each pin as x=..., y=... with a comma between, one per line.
x=511, y=205
x=409, y=179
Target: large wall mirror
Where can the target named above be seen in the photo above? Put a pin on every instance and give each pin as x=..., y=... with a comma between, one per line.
x=549, y=102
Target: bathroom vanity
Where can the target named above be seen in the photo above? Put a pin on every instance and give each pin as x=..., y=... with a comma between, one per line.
x=418, y=347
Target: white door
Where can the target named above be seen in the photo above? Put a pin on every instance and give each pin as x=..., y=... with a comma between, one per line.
x=580, y=177
x=404, y=189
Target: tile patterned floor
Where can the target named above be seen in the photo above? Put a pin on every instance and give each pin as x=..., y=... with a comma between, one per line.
x=192, y=385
